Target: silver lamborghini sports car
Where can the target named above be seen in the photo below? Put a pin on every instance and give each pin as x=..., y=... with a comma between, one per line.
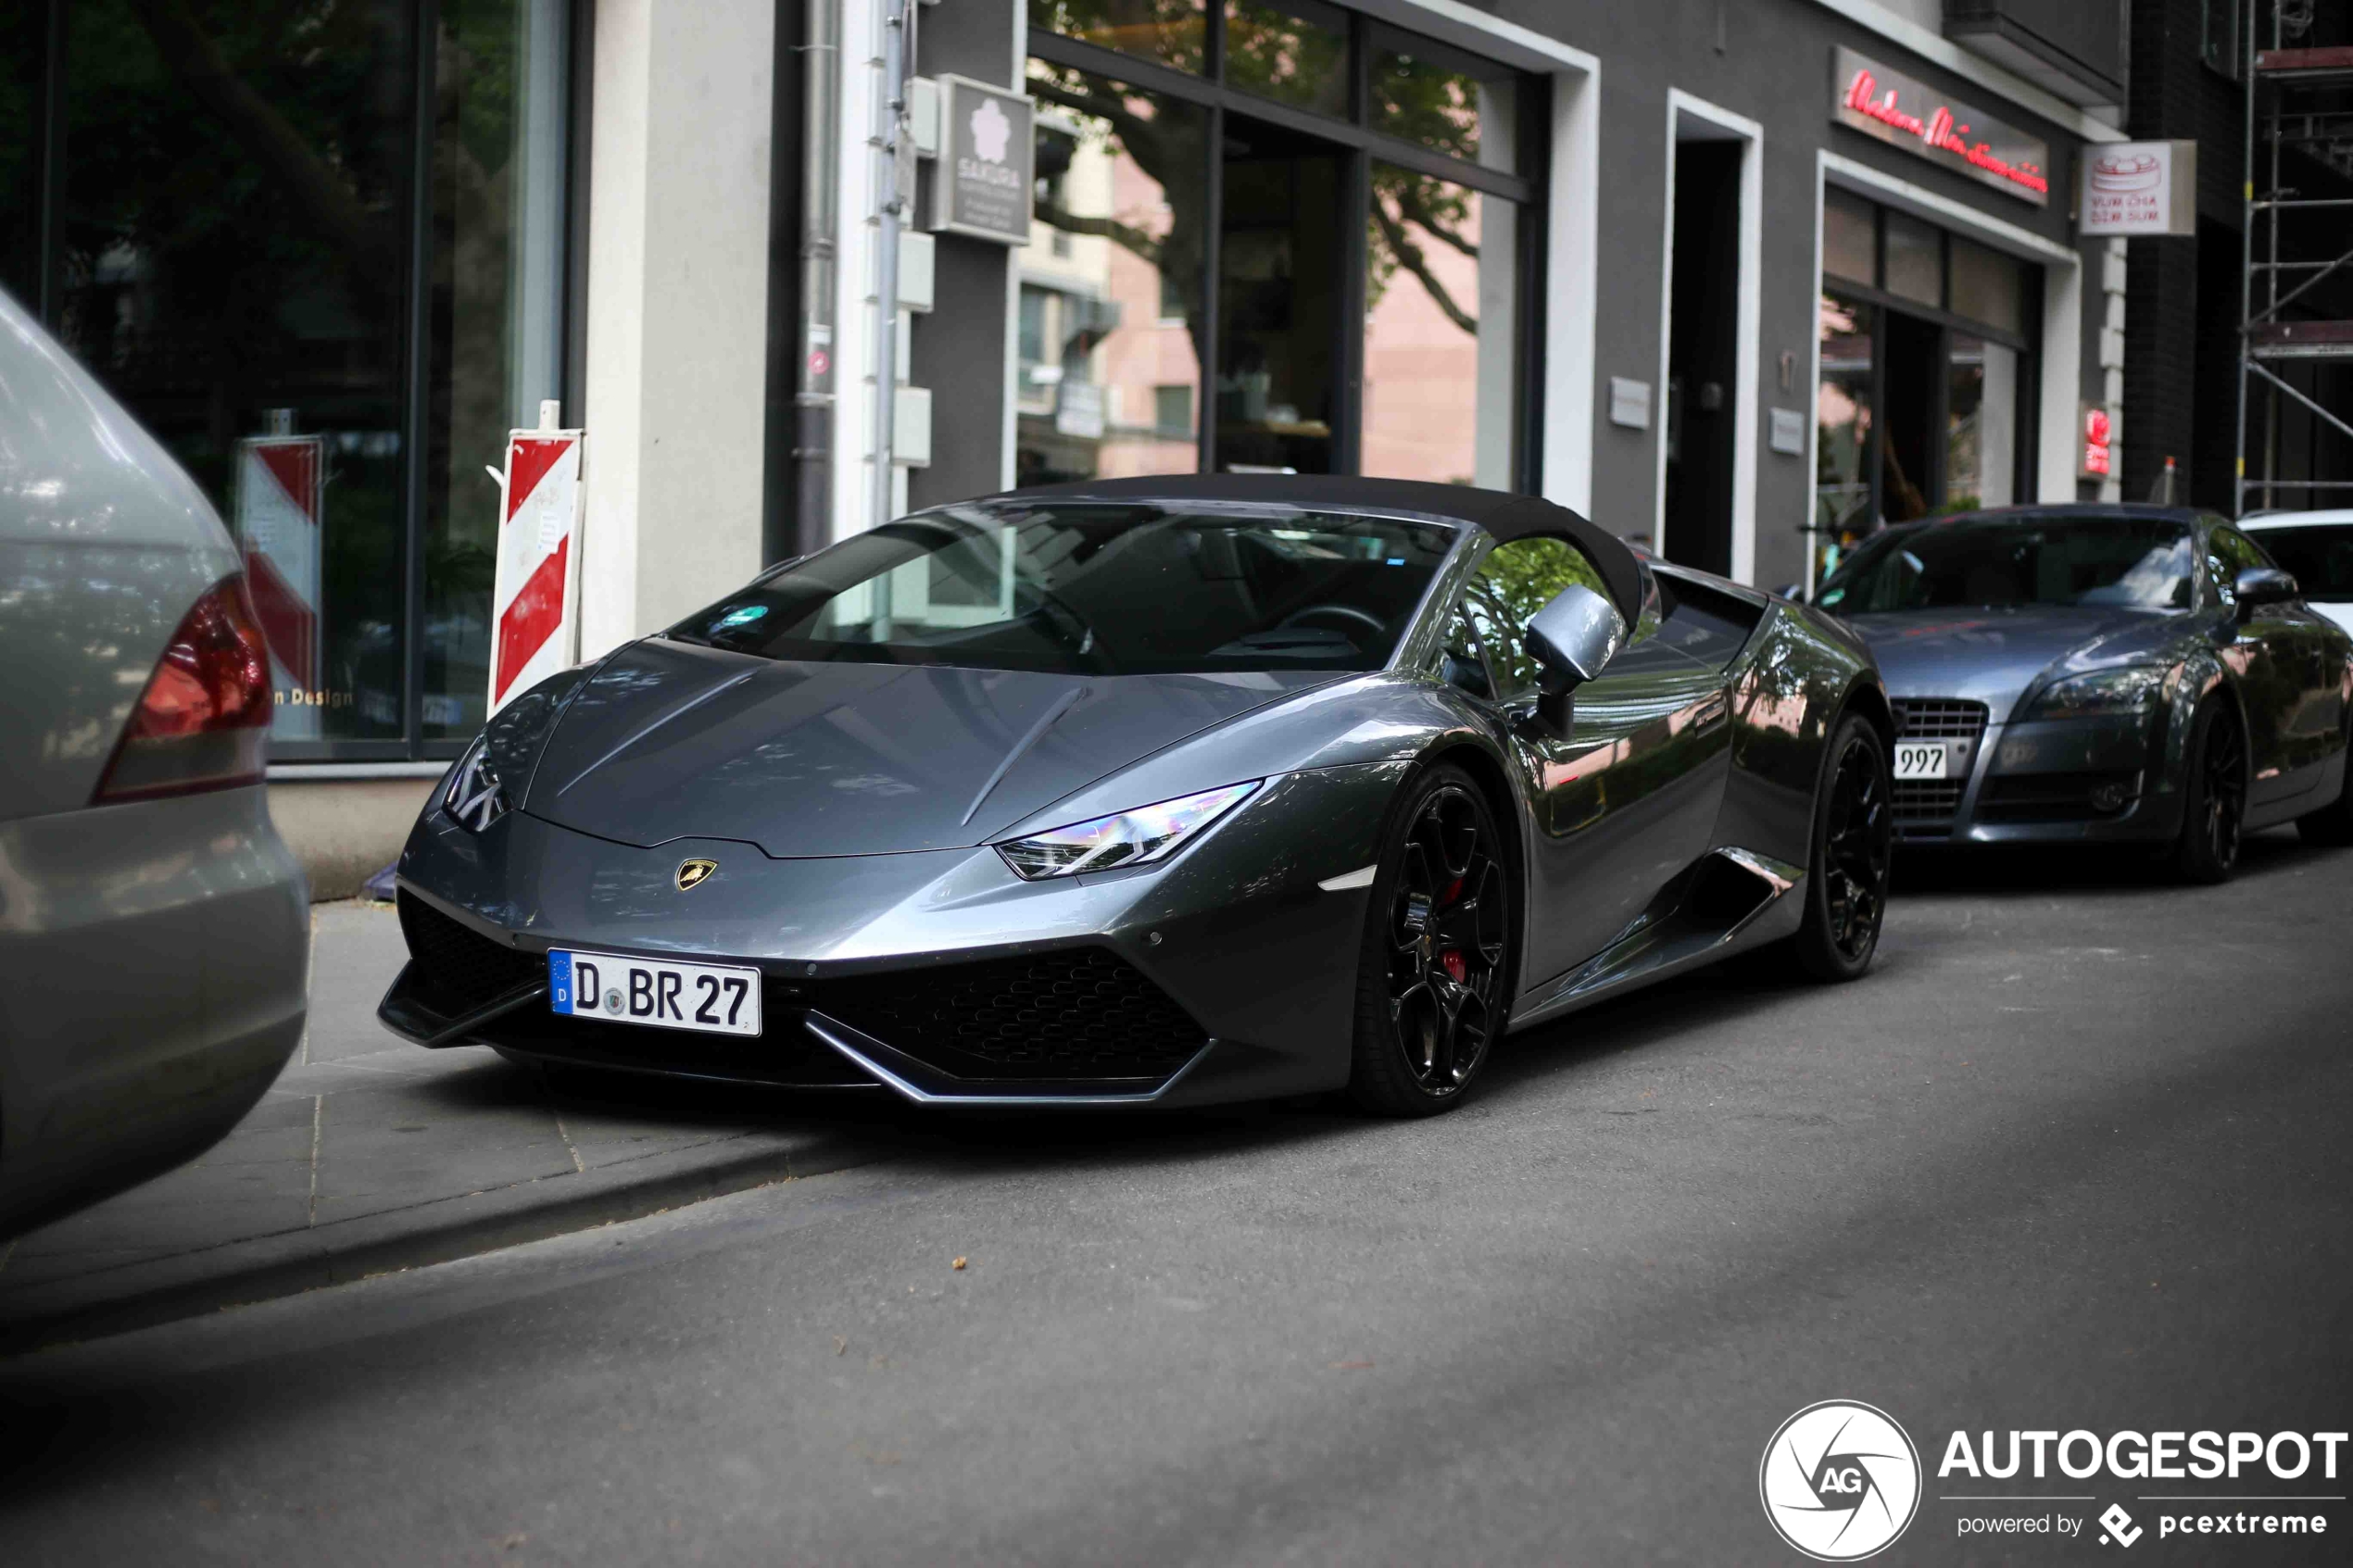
x=1153, y=792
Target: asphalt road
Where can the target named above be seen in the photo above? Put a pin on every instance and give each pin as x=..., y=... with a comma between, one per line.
x=2076, y=1155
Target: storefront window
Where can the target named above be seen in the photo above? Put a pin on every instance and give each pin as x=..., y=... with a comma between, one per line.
x=1295, y=52
x=1366, y=300
x=232, y=265
x=1980, y=454
x=1169, y=31
x=230, y=232
x=1850, y=237
x=1843, y=514
x=498, y=287
x=1988, y=286
x=1915, y=259
x=1110, y=368
x=1441, y=332
x=1448, y=102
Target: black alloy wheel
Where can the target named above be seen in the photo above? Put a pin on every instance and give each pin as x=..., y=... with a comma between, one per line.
x=1435, y=958
x=1854, y=852
x=2213, y=796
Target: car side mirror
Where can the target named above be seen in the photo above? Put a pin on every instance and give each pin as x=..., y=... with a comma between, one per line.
x=1573, y=638
x=2264, y=586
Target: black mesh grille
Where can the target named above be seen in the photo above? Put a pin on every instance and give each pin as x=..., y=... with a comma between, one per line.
x=1926, y=801
x=460, y=969
x=1079, y=1013
x=1939, y=718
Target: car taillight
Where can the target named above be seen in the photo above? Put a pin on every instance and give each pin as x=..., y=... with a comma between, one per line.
x=203, y=722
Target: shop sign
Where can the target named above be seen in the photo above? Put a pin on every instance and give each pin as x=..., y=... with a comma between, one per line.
x=1907, y=113
x=2099, y=443
x=281, y=494
x=534, y=600
x=980, y=182
x=2139, y=188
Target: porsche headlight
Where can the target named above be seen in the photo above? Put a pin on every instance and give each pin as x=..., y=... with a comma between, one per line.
x=1128, y=838
x=475, y=799
x=2132, y=690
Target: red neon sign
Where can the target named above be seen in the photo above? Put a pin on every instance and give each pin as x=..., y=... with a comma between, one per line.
x=2098, y=443
x=1940, y=131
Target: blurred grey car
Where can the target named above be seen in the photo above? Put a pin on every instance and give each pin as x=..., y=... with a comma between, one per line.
x=154, y=931
x=2096, y=675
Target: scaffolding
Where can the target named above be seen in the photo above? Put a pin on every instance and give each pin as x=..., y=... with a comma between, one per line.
x=2300, y=126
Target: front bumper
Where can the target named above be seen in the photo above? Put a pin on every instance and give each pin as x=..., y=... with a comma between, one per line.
x=2072, y=780
x=1225, y=974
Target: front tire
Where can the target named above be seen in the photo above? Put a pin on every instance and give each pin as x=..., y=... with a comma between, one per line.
x=2213, y=796
x=1435, y=964
x=1853, y=847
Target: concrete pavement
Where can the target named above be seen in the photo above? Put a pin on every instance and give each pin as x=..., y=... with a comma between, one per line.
x=369, y=1154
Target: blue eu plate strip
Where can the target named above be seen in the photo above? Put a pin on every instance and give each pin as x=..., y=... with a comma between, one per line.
x=559, y=981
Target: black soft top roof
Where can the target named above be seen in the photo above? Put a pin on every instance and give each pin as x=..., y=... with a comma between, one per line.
x=1506, y=517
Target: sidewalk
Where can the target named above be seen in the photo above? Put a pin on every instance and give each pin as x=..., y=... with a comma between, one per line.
x=369, y=1154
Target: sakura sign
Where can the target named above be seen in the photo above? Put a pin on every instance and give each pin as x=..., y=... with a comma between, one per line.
x=1904, y=112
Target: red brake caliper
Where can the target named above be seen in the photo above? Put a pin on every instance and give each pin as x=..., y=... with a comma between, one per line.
x=1456, y=965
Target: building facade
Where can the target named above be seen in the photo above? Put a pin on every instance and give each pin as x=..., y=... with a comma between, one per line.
x=1738, y=280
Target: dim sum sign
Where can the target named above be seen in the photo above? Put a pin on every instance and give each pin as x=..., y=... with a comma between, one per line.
x=1907, y=113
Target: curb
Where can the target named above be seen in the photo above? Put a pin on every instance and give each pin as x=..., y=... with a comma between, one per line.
x=264, y=1268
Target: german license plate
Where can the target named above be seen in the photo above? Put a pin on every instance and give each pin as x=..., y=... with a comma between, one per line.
x=659, y=993
x=1923, y=760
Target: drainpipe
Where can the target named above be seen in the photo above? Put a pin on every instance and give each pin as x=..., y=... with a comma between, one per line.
x=890, y=143
x=820, y=212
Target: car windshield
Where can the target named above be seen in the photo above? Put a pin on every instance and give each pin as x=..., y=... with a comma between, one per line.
x=2318, y=555
x=1094, y=588
x=1989, y=561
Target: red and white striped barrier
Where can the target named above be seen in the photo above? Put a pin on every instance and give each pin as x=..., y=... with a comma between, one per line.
x=281, y=494
x=535, y=600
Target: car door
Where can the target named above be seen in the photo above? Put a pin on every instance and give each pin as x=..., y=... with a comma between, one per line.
x=1629, y=796
x=2276, y=651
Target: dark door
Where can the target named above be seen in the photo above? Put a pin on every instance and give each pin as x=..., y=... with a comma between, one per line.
x=1911, y=405
x=2280, y=652
x=1281, y=275
x=1702, y=347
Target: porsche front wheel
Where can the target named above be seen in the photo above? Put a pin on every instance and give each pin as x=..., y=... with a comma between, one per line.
x=1431, y=975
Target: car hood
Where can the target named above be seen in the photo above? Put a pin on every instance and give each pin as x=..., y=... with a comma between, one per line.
x=669, y=740
x=1991, y=656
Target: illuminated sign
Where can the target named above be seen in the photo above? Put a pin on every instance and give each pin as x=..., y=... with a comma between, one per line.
x=1907, y=113
x=2099, y=443
x=981, y=180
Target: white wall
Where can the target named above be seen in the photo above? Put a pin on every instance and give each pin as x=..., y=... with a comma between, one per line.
x=677, y=310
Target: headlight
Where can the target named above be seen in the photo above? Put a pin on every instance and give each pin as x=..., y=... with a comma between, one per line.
x=475, y=799
x=1130, y=838
x=2111, y=691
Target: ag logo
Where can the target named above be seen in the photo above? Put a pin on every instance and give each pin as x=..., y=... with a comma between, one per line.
x=692, y=872
x=1840, y=1481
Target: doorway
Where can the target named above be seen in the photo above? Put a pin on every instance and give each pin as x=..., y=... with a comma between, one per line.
x=1282, y=289
x=1702, y=351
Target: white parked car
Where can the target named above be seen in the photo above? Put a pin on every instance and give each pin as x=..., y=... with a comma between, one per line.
x=2316, y=548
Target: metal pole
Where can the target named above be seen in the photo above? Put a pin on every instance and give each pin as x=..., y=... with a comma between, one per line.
x=890, y=119
x=820, y=211
x=2247, y=264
